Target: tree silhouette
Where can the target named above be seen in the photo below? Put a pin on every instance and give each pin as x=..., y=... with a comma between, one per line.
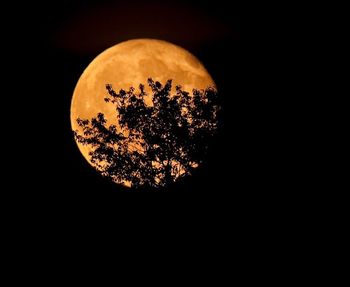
x=153, y=144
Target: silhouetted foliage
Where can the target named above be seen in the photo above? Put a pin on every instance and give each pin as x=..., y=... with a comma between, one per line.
x=152, y=144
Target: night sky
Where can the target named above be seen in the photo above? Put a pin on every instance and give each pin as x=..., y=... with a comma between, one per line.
x=246, y=200
x=64, y=37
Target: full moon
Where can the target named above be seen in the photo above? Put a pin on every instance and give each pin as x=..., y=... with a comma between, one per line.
x=129, y=64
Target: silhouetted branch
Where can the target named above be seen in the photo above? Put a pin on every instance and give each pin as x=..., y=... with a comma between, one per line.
x=151, y=145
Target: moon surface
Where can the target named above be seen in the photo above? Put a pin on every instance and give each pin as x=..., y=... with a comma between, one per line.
x=129, y=64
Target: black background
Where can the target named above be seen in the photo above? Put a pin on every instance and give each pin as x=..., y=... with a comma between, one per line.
x=244, y=202
x=54, y=42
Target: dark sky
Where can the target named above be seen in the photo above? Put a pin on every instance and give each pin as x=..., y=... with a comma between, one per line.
x=49, y=193
x=60, y=40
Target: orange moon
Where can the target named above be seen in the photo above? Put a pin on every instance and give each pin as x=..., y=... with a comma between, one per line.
x=126, y=65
